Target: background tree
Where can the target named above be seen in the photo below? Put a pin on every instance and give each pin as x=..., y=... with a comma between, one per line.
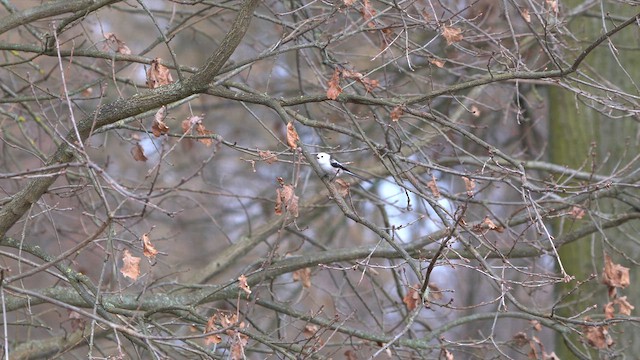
x=593, y=120
x=161, y=197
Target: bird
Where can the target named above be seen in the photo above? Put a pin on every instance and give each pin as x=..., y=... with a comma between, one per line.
x=333, y=167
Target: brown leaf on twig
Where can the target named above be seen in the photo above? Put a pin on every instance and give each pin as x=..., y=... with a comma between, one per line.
x=412, y=299
x=368, y=12
x=158, y=74
x=244, y=286
x=121, y=47
x=615, y=275
x=437, y=62
x=286, y=199
x=138, y=153
x=451, y=34
x=396, y=113
x=211, y=327
x=597, y=336
x=334, y=90
x=149, y=250
x=433, y=186
x=131, y=267
x=470, y=185
x=267, y=156
x=304, y=276
x=159, y=127
x=292, y=136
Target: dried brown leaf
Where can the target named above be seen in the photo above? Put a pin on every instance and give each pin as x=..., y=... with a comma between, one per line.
x=138, y=153
x=437, y=62
x=521, y=339
x=396, y=113
x=368, y=12
x=597, y=336
x=609, y=310
x=189, y=123
x=615, y=275
x=292, y=136
x=149, y=250
x=624, y=307
x=412, y=299
x=304, y=276
x=451, y=34
x=242, y=283
x=334, y=90
x=211, y=327
x=202, y=131
x=159, y=127
x=286, y=199
x=131, y=266
x=525, y=15
x=310, y=330
x=158, y=74
x=369, y=84
x=433, y=186
x=237, y=346
x=577, y=213
x=470, y=185
x=491, y=225
x=267, y=156
x=121, y=47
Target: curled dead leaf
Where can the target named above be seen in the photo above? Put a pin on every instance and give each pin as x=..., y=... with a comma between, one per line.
x=159, y=127
x=451, y=34
x=211, y=327
x=470, y=185
x=368, y=12
x=202, y=131
x=396, y=113
x=412, y=299
x=267, y=156
x=149, y=250
x=433, y=186
x=292, y=136
x=121, y=47
x=624, y=307
x=577, y=212
x=521, y=339
x=286, y=199
x=158, y=74
x=310, y=330
x=615, y=275
x=244, y=286
x=597, y=336
x=334, y=90
x=491, y=225
x=138, y=153
x=304, y=276
x=437, y=62
x=131, y=266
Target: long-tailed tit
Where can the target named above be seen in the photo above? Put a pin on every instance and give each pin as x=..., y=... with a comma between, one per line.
x=333, y=167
